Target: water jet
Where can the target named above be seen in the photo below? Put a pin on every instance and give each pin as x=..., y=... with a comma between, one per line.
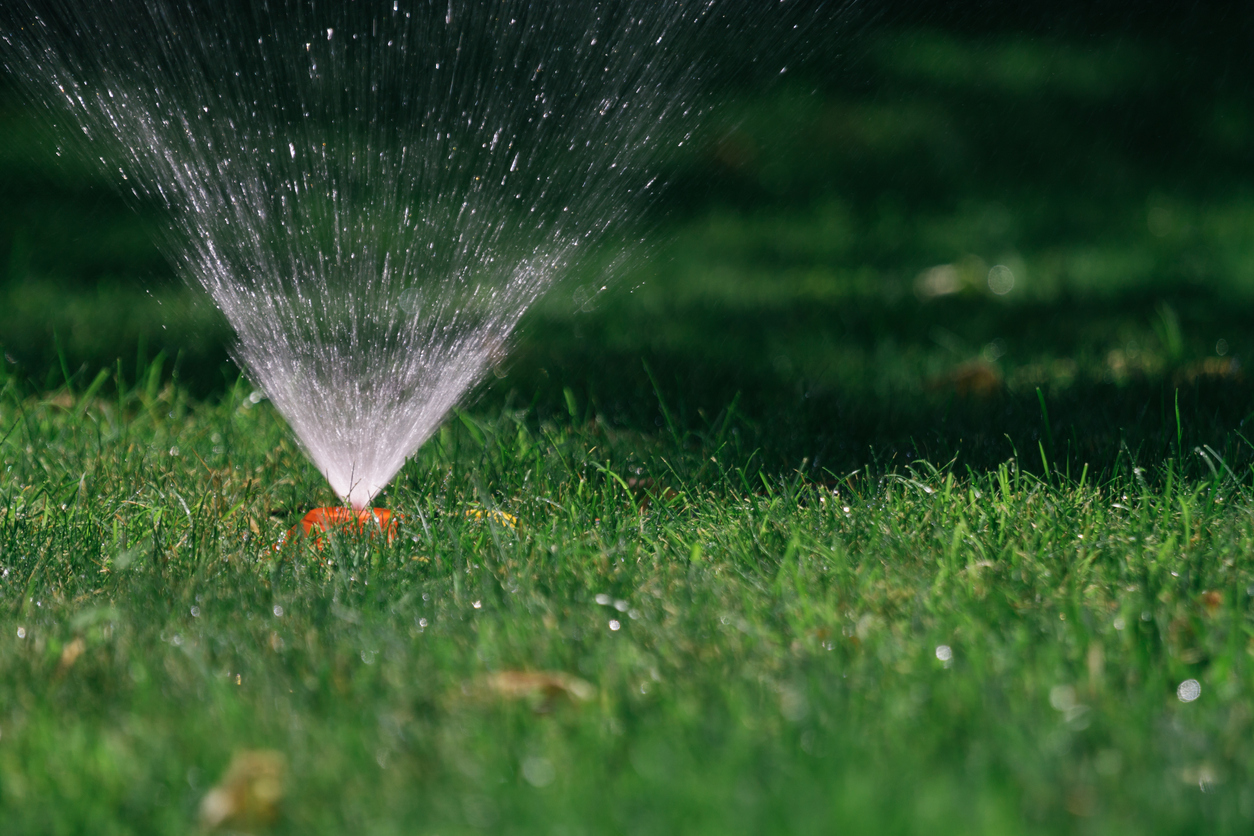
x=373, y=193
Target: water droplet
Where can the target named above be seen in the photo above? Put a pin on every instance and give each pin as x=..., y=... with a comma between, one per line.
x=1001, y=279
x=538, y=772
x=1062, y=697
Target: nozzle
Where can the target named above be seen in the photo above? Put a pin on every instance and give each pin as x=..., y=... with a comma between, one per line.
x=370, y=521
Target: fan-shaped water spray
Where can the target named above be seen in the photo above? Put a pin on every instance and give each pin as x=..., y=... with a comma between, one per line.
x=374, y=192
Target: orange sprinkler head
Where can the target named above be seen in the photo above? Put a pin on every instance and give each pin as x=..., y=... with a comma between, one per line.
x=368, y=521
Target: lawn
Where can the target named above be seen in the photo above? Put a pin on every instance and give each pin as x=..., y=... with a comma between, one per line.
x=898, y=649
x=900, y=483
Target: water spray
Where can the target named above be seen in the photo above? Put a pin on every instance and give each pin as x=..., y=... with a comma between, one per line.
x=373, y=193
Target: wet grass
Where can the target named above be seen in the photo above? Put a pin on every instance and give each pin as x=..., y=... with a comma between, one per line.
x=818, y=527
x=891, y=650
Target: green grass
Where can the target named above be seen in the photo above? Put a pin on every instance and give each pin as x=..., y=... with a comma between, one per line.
x=776, y=667
x=758, y=440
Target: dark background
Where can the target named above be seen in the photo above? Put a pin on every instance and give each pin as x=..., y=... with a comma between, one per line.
x=1101, y=151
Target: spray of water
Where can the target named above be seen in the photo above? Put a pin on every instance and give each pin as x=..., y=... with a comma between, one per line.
x=374, y=192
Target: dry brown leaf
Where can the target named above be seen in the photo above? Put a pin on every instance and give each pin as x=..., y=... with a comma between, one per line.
x=70, y=654
x=975, y=378
x=1212, y=601
x=247, y=798
x=645, y=490
x=542, y=688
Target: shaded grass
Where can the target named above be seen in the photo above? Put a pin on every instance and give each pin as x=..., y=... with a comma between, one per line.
x=1108, y=175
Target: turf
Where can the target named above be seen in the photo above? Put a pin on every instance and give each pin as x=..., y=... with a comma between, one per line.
x=890, y=651
x=814, y=530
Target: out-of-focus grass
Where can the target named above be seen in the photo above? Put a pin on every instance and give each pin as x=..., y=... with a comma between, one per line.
x=828, y=256
x=883, y=650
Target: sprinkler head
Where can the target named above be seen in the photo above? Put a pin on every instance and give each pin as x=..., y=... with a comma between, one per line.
x=369, y=521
